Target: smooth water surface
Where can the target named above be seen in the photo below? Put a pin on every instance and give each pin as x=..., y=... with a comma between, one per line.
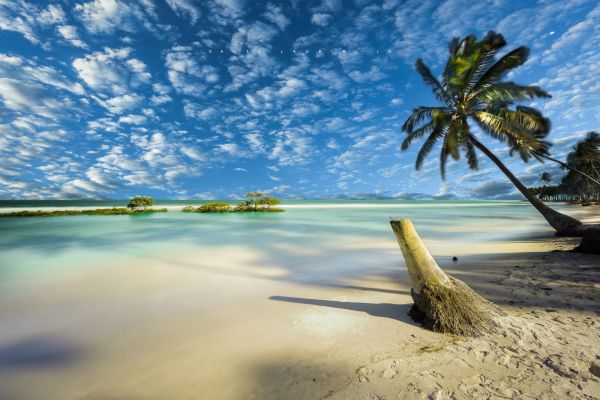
x=41, y=244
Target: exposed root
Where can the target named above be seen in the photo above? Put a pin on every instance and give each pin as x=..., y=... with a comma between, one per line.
x=454, y=308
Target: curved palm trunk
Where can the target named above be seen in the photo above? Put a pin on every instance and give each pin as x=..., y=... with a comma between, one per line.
x=567, y=166
x=560, y=222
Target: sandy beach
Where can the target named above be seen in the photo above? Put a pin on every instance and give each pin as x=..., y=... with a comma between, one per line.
x=229, y=323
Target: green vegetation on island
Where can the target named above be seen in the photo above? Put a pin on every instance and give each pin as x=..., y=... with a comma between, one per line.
x=257, y=202
x=137, y=205
x=98, y=211
x=140, y=203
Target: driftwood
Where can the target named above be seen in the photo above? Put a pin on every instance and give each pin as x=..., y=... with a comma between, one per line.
x=441, y=303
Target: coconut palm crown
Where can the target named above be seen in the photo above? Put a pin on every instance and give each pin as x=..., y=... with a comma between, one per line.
x=472, y=89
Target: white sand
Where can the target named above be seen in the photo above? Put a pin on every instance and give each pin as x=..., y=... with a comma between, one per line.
x=225, y=324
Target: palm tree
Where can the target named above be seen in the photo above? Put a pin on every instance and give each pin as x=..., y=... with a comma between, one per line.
x=472, y=89
x=545, y=177
x=586, y=155
x=584, y=151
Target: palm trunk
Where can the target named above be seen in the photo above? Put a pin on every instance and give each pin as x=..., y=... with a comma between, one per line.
x=442, y=303
x=567, y=166
x=560, y=222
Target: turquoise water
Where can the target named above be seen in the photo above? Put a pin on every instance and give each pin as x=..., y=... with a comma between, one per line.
x=42, y=244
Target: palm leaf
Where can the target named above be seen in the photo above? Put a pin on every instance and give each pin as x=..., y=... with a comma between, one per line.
x=471, y=155
x=429, y=79
x=507, y=92
x=504, y=65
x=470, y=60
x=492, y=124
x=418, y=133
x=437, y=133
x=526, y=119
x=418, y=115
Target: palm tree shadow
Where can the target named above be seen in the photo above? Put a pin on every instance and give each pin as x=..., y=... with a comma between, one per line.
x=398, y=312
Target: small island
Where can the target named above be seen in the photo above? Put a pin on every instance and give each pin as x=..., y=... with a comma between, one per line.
x=137, y=205
x=256, y=202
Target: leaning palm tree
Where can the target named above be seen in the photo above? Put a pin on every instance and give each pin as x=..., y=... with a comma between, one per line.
x=472, y=89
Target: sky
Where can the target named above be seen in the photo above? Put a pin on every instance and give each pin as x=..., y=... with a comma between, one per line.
x=209, y=99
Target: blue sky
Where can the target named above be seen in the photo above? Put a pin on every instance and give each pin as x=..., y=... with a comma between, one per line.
x=205, y=99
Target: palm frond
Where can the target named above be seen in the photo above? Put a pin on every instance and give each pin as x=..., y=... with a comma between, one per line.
x=504, y=65
x=492, y=124
x=526, y=119
x=437, y=133
x=430, y=80
x=471, y=155
x=418, y=133
x=507, y=92
x=469, y=60
x=419, y=114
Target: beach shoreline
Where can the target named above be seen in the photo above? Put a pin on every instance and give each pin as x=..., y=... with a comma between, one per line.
x=320, y=204
x=225, y=322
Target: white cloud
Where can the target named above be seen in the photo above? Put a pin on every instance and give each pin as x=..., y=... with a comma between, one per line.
x=321, y=19
x=185, y=8
x=19, y=16
x=133, y=119
x=69, y=33
x=275, y=14
x=158, y=100
x=192, y=110
x=112, y=71
x=292, y=147
x=192, y=152
x=256, y=143
x=52, y=15
x=27, y=87
x=107, y=16
x=229, y=148
x=228, y=8
x=185, y=73
x=120, y=104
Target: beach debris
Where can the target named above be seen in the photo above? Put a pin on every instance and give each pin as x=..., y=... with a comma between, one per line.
x=556, y=363
x=595, y=369
x=442, y=303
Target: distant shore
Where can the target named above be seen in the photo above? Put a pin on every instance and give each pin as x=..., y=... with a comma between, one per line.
x=320, y=204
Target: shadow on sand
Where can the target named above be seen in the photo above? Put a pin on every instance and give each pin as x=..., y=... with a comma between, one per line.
x=398, y=312
x=38, y=352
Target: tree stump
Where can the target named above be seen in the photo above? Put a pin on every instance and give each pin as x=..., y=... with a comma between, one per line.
x=441, y=303
x=590, y=242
